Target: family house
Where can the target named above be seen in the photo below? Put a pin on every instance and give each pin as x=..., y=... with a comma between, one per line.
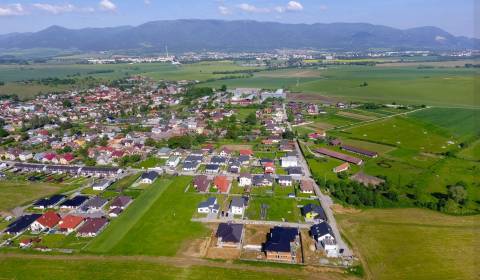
x=289, y=161
x=313, y=212
x=70, y=223
x=221, y=183
x=101, y=185
x=173, y=161
x=208, y=206
x=229, y=235
x=21, y=224
x=324, y=238
x=306, y=186
x=285, y=180
x=212, y=168
x=237, y=205
x=74, y=203
x=47, y=221
x=341, y=168
x=94, y=204
x=262, y=180
x=148, y=177
x=121, y=202
x=201, y=183
x=281, y=244
x=245, y=179
x=190, y=166
x=92, y=227
x=48, y=202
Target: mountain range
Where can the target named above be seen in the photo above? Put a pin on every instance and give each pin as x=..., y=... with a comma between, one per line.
x=218, y=35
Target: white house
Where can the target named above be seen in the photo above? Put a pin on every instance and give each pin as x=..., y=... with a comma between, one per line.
x=325, y=239
x=101, y=185
x=208, y=206
x=237, y=206
x=24, y=156
x=244, y=180
x=289, y=161
x=173, y=161
x=285, y=180
x=148, y=177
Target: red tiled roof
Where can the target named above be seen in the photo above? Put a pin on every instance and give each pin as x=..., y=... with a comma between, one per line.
x=222, y=183
x=70, y=222
x=49, y=219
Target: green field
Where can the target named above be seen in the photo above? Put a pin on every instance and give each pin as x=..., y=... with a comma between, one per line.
x=91, y=267
x=460, y=122
x=436, y=86
x=402, y=132
x=13, y=74
x=279, y=209
x=413, y=243
x=158, y=223
x=16, y=193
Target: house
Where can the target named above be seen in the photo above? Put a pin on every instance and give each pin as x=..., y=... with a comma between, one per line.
x=234, y=167
x=246, y=152
x=164, y=152
x=218, y=160
x=281, y=244
x=201, y=183
x=313, y=212
x=342, y=167
x=121, y=202
x=92, y=227
x=263, y=180
x=285, y=180
x=225, y=152
x=173, y=161
x=190, y=166
x=148, y=177
x=212, y=168
x=306, y=186
x=101, y=185
x=21, y=224
x=48, y=202
x=366, y=180
x=295, y=172
x=193, y=158
x=94, y=204
x=323, y=235
x=208, y=206
x=245, y=179
x=221, y=183
x=269, y=168
x=26, y=155
x=115, y=212
x=74, y=203
x=27, y=242
x=229, y=235
x=237, y=205
x=244, y=159
x=289, y=161
x=70, y=223
x=47, y=221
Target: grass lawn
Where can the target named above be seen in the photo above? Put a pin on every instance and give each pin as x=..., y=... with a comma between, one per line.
x=151, y=162
x=160, y=222
x=125, y=182
x=278, y=209
x=120, y=226
x=16, y=193
x=414, y=243
x=472, y=152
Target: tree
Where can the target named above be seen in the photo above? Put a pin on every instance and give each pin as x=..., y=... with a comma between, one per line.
x=223, y=88
x=67, y=103
x=251, y=119
x=3, y=132
x=457, y=193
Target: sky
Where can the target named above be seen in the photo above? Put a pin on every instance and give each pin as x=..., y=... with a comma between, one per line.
x=454, y=16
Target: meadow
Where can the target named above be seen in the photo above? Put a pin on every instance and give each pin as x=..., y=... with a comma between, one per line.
x=413, y=243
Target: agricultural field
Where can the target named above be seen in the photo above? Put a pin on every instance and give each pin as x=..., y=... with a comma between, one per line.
x=158, y=223
x=278, y=209
x=447, y=86
x=413, y=243
x=12, y=75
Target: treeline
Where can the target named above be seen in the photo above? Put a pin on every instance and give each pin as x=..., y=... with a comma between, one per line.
x=195, y=93
x=249, y=71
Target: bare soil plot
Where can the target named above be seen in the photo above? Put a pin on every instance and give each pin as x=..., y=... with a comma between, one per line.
x=237, y=147
x=311, y=255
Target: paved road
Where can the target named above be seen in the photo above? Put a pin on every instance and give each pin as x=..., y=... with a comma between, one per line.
x=326, y=202
x=252, y=222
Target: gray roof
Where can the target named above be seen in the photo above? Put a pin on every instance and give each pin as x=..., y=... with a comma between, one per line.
x=230, y=232
x=96, y=202
x=238, y=201
x=152, y=175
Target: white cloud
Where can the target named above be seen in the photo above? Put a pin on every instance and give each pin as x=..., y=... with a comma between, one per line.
x=147, y=2
x=224, y=10
x=55, y=9
x=252, y=9
x=294, y=6
x=323, y=7
x=107, y=5
x=12, y=10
